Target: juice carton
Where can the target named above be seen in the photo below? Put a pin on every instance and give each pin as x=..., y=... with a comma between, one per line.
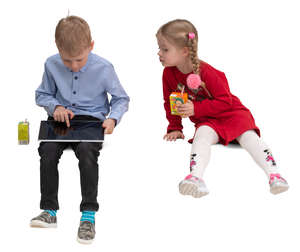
x=177, y=98
x=23, y=132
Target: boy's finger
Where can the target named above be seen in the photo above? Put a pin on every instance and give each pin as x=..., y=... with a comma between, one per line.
x=107, y=131
x=105, y=128
x=71, y=114
x=60, y=117
x=66, y=118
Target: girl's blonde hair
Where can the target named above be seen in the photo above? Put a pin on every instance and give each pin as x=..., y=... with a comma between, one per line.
x=73, y=35
x=177, y=33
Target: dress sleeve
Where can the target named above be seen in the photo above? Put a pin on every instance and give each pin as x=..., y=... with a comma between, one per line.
x=217, y=85
x=174, y=120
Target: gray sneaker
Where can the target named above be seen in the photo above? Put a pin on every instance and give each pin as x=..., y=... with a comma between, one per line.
x=277, y=184
x=86, y=232
x=193, y=186
x=44, y=220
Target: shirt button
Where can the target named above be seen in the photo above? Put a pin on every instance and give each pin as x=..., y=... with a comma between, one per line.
x=74, y=92
x=73, y=104
x=75, y=77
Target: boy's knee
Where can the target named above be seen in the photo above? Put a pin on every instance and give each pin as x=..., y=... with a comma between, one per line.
x=85, y=149
x=50, y=149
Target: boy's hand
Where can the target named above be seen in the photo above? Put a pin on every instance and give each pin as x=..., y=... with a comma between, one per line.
x=109, y=125
x=187, y=109
x=174, y=135
x=61, y=114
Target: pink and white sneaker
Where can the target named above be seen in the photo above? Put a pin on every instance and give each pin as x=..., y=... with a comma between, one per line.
x=277, y=184
x=193, y=186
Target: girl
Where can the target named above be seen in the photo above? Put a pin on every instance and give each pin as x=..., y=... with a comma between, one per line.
x=218, y=115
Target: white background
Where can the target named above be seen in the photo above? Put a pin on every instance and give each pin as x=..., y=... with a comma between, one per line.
x=256, y=43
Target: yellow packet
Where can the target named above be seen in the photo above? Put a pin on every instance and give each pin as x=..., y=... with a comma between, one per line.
x=177, y=98
x=23, y=132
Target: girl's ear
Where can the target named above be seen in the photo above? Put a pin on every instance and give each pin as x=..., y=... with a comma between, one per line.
x=185, y=51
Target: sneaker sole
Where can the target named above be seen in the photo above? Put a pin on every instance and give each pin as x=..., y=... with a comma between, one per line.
x=84, y=241
x=191, y=189
x=279, y=189
x=42, y=224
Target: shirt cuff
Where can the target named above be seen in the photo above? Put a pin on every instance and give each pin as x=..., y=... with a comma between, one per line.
x=52, y=107
x=115, y=116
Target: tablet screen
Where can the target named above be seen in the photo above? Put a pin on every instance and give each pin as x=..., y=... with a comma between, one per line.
x=79, y=131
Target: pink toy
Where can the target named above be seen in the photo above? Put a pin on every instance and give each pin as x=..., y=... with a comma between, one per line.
x=193, y=81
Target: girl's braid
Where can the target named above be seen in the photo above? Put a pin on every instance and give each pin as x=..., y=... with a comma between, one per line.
x=192, y=45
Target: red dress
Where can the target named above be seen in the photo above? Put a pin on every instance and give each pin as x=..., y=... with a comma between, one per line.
x=224, y=112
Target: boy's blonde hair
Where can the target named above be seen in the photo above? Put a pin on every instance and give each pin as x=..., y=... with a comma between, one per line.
x=73, y=35
x=177, y=33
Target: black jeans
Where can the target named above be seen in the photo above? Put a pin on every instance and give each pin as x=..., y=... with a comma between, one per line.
x=87, y=154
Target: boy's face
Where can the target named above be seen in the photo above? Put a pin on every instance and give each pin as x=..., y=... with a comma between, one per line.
x=75, y=63
x=169, y=55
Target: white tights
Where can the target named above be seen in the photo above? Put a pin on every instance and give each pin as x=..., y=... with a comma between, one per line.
x=206, y=136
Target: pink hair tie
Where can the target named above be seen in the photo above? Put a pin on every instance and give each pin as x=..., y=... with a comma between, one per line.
x=191, y=35
x=193, y=81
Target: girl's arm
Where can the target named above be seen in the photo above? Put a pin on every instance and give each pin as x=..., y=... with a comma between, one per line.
x=174, y=121
x=217, y=85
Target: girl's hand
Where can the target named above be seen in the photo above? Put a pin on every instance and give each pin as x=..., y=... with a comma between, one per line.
x=187, y=109
x=61, y=114
x=109, y=125
x=174, y=135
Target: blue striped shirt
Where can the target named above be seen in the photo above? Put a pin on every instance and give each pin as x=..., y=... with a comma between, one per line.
x=84, y=92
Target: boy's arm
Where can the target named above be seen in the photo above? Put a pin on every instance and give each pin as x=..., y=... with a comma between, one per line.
x=45, y=94
x=119, y=99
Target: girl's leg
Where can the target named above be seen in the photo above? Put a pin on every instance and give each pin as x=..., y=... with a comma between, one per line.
x=262, y=155
x=193, y=184
x=204, y=138
x=259, y=151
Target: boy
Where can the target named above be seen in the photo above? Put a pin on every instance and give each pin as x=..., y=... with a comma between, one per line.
x=75, y=86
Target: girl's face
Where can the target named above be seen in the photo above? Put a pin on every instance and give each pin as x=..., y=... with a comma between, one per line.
x=170, y=55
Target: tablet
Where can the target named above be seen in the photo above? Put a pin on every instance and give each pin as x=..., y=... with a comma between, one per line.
x=79, y=131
